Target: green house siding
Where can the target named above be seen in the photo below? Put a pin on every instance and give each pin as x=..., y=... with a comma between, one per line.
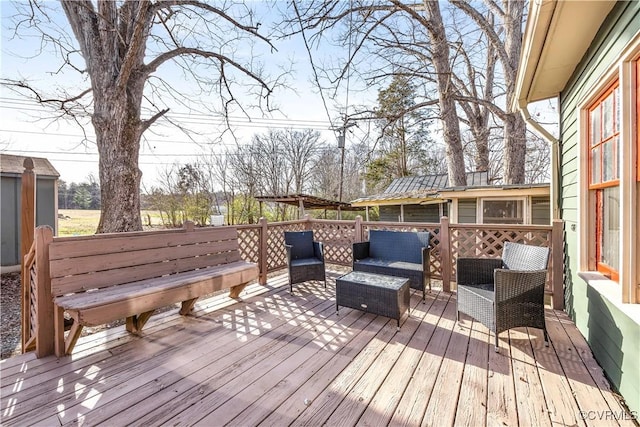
x=390, y=213
x=540, y=211
x=467, y=211
x=613, y=336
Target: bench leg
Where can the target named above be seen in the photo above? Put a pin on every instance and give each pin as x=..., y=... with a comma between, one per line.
x=58, y=330
x=131, y=323
x=187, y=306
x=135, y=323
x=73, y=336
x=234, y=292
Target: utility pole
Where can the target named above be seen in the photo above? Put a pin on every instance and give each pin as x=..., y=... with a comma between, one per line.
x=342, y=131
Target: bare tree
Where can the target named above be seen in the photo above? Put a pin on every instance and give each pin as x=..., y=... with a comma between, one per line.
x=507, y=48
x=387, y=38
x=301, y=149
x=475, y=80
x=120, y=47
x=244, y=183
x=400, y=38
x=276, y=162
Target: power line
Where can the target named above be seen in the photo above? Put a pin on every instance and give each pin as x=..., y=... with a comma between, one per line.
x=199, y=118
x=72, y=153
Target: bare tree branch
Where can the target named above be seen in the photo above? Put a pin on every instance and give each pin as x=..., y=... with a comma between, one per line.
x=136, y=44
x=253, y=30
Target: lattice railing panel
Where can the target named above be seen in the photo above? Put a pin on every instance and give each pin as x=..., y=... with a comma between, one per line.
x=29, y=303
x=338, y=238
x=249, y=243
x=434, y=239
x=33, y=320
x=276, y=253
x=487, y=242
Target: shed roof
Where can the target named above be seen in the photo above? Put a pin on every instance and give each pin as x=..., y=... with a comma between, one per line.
x=309, y=202
x=14, y=165
x=418, y=188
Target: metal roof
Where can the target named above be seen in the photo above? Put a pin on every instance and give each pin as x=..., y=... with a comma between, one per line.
x=14, y=165
x=421, y=187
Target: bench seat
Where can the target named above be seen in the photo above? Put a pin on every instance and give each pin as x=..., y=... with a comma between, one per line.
x=102, y=305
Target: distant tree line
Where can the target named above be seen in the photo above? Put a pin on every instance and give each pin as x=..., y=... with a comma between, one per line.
x=275, y=163
x=85, y=195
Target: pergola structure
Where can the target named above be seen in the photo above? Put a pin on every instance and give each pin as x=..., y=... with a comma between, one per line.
x=305, y=201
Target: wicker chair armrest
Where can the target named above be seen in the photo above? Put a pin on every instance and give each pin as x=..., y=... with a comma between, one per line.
x=289, y=249
x=426, y=259
x=476, y=271
x=512, y=283
x=318, y=250
x=360, y=250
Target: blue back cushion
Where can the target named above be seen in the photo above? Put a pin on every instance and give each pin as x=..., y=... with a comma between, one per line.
x=398, y=245
x=302, y=242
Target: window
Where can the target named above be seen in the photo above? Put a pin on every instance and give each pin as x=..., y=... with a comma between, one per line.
x=503, y=212
x=604, y=178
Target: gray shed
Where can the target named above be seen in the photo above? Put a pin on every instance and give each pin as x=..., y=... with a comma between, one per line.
x=11, y=169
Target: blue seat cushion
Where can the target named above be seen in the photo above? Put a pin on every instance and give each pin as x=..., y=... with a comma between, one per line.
x=305, y=262
x=396, y=265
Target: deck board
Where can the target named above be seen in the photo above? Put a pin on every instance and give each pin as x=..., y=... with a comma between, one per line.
x=474, y=380
x=277, y=359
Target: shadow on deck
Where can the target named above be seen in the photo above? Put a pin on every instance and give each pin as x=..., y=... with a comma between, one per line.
x=276, y=358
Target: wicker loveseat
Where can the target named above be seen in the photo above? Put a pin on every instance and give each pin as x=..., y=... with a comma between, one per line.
x=507, y=292
x=396, y=253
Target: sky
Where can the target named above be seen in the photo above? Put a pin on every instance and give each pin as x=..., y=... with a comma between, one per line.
x=24, y=131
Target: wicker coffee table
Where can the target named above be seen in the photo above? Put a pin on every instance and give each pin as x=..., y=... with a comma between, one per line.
x=373, y=293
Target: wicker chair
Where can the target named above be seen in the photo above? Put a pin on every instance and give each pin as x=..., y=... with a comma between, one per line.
x=505, y=293
x=305, y=258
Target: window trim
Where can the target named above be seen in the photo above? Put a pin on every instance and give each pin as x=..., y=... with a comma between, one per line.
x=636, y=76
x=598, y=184
x=623, y=69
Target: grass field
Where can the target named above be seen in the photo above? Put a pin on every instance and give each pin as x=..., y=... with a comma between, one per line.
x=76, y=222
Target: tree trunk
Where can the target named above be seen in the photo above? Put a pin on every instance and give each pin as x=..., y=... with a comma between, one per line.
x=118, y=138
x=446, y=92
x=118, y=127
x=480, y=131
x=515, y=148
x=515, y=130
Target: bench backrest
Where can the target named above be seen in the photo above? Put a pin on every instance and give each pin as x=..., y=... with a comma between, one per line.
x=90, y=262
x=398, y=245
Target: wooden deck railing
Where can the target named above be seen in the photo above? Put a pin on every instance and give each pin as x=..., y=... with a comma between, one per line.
x=37, y=303
x=263, y=243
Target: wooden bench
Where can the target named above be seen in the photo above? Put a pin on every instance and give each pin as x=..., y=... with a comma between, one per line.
x=102, y=278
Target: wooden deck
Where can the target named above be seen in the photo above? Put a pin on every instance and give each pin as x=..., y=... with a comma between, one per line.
x=279, y=359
